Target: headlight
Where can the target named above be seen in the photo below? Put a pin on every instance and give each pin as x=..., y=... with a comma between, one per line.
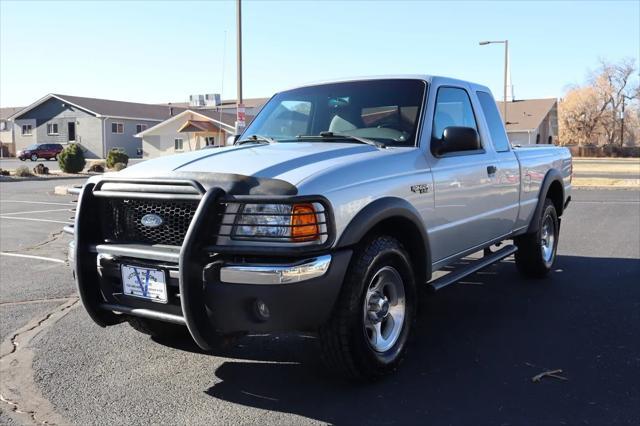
x=280, y=222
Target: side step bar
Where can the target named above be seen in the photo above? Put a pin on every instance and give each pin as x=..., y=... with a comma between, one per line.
x=144, y=313
x=477, y=265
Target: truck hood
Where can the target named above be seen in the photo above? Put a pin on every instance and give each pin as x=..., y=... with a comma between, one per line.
x=288, y=161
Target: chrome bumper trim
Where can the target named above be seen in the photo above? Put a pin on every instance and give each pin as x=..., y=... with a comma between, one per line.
x=276, y=274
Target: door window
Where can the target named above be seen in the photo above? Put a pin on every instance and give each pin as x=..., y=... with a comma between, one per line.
x=453, y=109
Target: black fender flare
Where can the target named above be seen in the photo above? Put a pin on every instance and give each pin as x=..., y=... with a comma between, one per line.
x=375, y=213
x=552, y=175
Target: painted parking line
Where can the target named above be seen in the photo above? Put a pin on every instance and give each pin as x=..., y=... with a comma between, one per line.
x=37, y=202
x=38, y=211
x=36, y=220
x=29, y=256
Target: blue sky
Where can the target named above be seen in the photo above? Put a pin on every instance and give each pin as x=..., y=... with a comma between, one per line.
x=165, y=50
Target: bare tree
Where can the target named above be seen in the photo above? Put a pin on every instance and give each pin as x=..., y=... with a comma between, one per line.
x=601, y=106
x=612, y=82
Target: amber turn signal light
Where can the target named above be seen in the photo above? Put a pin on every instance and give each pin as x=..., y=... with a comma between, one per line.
x=304, y=223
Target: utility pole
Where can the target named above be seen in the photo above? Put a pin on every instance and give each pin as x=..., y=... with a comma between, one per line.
x=506, y=72
x=624, y=98
x=240, y=113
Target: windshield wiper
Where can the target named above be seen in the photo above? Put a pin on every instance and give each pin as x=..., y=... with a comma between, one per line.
x=256, y=139
x=331, y=135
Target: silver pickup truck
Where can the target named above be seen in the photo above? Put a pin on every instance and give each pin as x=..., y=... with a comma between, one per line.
x=326, y=214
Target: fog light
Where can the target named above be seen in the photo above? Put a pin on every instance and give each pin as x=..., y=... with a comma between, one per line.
x=262, y=310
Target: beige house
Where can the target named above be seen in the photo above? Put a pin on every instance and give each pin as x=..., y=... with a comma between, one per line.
x=7, y=135
x=531, y=121
x=190, y=130
x=193, y=129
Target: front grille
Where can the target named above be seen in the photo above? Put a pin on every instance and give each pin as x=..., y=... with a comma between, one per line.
x=123, y=220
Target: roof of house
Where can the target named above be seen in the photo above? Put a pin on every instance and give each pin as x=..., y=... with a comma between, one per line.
x=8, y=112
x=527, y=114
x=224, y=104
x=110, y=108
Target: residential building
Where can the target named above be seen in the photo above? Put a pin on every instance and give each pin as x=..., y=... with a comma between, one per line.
x=531, y=121
x=7, y=145
x=97, y=125
x=195, y=128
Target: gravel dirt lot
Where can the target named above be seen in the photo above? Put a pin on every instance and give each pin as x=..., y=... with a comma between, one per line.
x=477, y=346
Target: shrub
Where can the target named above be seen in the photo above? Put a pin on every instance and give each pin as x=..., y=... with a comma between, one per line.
x=4, y=172
x=23, y=171
x=71, y=159
x=115, y=156
x=119, y=166
x=96, y=168
x=41, y=169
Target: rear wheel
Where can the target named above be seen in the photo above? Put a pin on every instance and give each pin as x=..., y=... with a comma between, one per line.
x=367, y=334
x=155, y=328
x=537, y=250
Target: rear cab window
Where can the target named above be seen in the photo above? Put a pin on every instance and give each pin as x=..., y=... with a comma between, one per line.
x=494, y=122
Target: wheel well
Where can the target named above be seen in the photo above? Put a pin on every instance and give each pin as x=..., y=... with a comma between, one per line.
x=411, y=238
x=555, y=194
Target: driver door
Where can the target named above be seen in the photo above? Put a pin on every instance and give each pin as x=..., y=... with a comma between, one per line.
x=462, y=181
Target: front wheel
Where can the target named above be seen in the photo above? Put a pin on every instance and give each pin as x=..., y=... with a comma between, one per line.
x=537, y=250
x=367, y=334
x=34, y=157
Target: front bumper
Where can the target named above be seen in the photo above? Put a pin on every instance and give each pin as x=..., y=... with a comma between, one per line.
x=211, y=292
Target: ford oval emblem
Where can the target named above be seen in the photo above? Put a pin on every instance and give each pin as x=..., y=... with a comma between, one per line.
x=151, y=220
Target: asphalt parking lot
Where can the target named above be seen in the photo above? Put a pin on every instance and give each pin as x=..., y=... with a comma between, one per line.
x=477, y=346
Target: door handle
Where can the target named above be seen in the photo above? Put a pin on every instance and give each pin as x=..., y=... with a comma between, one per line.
x=491, y=170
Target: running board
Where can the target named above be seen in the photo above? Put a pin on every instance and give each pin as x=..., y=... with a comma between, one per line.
x=481, y=263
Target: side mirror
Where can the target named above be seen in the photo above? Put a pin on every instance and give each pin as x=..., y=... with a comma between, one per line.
x=231, y=140
x=455, y=139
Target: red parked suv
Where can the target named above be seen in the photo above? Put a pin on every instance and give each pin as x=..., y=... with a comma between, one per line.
x=44, y=150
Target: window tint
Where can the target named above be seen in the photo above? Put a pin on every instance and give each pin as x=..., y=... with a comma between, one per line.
x=453, y=109
x=494, y=121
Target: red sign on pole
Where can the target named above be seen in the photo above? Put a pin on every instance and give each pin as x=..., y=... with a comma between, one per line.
x=240, y=115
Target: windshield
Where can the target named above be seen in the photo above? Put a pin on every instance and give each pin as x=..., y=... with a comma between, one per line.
x=386, y=111
x=31, y=147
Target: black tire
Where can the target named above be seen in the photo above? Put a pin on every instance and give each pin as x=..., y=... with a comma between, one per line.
x=159, y=329
x=23, y=159
x=34, y=157
x=345, y=342
x=531, y=258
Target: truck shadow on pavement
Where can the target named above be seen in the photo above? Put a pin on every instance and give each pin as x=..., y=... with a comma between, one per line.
x=475, y=349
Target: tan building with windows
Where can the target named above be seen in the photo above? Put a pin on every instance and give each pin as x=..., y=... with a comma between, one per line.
x=194, y=129
x=7, y=135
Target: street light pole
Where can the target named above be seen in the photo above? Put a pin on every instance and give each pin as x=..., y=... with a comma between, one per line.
x=506, y=72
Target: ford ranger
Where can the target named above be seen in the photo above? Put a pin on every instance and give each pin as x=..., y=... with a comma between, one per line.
x=336, y=203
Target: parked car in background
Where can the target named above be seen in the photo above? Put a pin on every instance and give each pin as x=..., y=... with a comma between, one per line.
x=44, y=150
x=333, y=206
